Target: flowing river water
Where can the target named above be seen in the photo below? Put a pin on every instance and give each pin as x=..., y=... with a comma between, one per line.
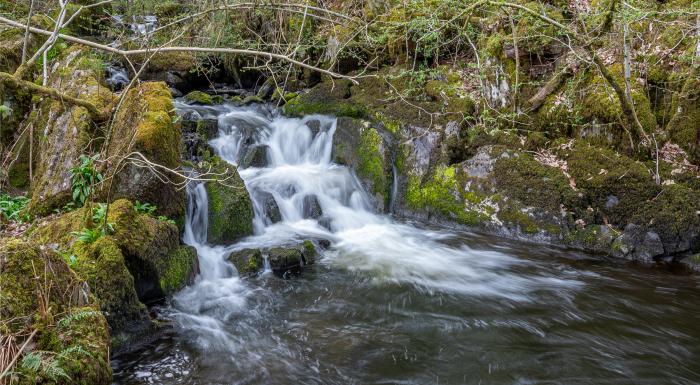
x=394, y=302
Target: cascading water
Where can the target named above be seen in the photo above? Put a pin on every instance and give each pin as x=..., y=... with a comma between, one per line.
x=389, y=303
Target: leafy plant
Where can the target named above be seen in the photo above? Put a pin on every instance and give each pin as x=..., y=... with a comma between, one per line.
x=88, y=235
x=70, y=259
x=166, y=219
x=145, y=208
x=14, y=208
x=83, y=178
x=38, y=362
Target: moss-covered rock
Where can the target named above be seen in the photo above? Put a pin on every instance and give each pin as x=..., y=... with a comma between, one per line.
x=364, y=149
x=684, y=128
x=141, y=260
x=40, y=292
x=145, y=124
x=247, y=261
x=62, y=134
x=199, y=97
x=230, y=208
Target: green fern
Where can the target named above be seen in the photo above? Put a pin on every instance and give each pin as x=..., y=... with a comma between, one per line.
x=77, y=316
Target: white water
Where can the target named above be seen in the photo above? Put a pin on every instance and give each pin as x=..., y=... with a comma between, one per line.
x=371, y=245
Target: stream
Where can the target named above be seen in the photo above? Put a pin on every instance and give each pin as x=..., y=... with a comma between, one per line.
x=395, y=302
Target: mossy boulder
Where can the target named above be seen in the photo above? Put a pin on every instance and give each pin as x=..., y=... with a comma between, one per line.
x=103, y=265
x=247, y=261
x=141, y=261
x=40, y=292
x=62, y=133
x=146, y=124
x=230, y=207
x=199, y=97
x=367, y=150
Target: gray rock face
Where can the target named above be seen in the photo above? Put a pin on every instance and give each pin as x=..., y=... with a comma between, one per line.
x=197, y=131
x=311, y=207
x=315, y=127
x=270, y=207
x=255, y=156
x=637, y=244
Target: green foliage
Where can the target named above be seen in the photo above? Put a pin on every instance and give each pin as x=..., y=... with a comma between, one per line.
x=43, y=363
x=163, y=218
x=77, y=316
x=88, y=235
x=144, y=208
x=83, y=178
x=14, y=208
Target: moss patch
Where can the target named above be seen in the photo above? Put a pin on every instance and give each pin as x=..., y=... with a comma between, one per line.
x=230, y=208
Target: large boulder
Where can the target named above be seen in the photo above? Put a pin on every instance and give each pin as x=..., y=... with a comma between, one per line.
x=230, y=208
x=145, y=125
x=40, y=293
x=61, y=132
x=139, y=262
x=367, y=150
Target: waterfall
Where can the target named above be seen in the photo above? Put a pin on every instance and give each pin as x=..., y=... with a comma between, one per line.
x=298, y=193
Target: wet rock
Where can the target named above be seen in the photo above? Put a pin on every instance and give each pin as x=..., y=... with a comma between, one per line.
x=311, y=209
x=270, y=207
x=291, y=260
x=230, y=207
x=247, y=261
x=315, y=127
x=199, y=98
x=325, y=222
x=255, y=156
x=366, y=150
x=637, y=244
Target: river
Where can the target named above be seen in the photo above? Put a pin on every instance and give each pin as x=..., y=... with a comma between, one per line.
x=395, y=302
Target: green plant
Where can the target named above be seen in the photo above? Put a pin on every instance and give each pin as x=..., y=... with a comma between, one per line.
x=70, y=259
x=166, y=219
x=88, y=235
x=83, y=178
x=145, y=208
x=38, y=362
x=14, y=208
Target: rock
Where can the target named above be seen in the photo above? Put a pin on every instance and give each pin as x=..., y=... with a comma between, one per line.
x=611, y=201
x=199, y=98
x=230, y=208
x=255, y=156
x=71, y=324
x=637, y=244
x=65, y=132
x=247, y=261
x=366, y=150
x=315, y=127
x=145, y=124
x=311, y=209
x=291, y=260
x=141, y=261
x=270, y=207
x=266, y=89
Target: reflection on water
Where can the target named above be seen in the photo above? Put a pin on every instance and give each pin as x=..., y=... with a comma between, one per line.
x=394, y=302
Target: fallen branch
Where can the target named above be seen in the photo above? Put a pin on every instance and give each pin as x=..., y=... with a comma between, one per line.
x=126, y=53
x=13, y=82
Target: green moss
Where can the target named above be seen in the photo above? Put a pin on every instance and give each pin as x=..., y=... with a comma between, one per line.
x=68, y=319
x=179, y=270
x=441, y=195
x=102, y=264
x=298, y=107
x=371, y=165
x=683, y=128
x=230, y=208
x=199, y=97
